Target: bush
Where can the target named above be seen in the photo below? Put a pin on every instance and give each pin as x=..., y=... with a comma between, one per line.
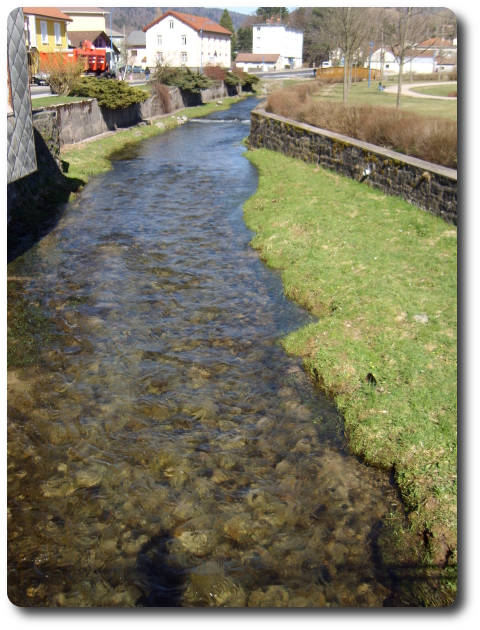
x=182, y=78
x=216, y=73
x=162, y=92
x=430, y=139
x=110, y=94
x=240, y=77
x=62, y=73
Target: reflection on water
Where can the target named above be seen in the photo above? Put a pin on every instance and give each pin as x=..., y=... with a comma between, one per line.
x=163, y=449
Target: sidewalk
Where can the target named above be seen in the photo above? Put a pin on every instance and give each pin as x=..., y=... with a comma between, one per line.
x=407, y=90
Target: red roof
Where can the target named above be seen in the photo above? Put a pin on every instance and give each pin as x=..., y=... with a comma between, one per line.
x=429, y=43
x=47, y=12
x=194, y=21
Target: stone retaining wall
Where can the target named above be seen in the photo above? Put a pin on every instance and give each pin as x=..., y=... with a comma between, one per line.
x=426, y=185
x=85, y=119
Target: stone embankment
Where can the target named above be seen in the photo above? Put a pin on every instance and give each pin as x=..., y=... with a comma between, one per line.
x=86, y=119
x=426, y=185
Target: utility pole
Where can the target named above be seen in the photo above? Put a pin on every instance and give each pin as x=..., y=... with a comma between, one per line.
x=111, y=44
x=383, y=55
x=370, y=63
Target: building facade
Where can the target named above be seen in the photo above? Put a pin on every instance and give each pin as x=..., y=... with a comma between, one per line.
x=45, y=29
x=277, y=38
x=264, y=63
x=180, y=39
x=87, y=18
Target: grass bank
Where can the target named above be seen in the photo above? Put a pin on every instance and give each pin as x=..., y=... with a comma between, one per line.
x=380, y=275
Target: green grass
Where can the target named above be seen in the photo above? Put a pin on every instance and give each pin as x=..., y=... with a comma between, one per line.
x=55, y=100
x=361, y=93
x=437, y=90
x=366, y=265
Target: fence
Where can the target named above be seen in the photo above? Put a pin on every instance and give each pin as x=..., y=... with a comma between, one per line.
x=357, y=74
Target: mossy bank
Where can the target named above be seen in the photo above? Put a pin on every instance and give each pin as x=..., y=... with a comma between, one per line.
x=380, y=275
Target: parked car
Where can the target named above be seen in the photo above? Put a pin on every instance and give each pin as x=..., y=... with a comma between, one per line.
x=40, y=78
x=137, y=69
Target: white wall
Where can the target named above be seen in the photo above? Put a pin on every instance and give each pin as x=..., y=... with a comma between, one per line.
x=284, y=40
x=172, y=47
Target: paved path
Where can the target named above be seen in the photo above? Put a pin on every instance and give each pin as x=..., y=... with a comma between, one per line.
x=407, y=90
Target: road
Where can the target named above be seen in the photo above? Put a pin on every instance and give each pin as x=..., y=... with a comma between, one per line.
x=39, y=91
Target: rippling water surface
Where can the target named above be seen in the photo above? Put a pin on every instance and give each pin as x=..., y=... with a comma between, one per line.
x=163, y=449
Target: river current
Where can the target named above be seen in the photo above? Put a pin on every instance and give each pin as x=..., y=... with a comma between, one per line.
x=163, y=450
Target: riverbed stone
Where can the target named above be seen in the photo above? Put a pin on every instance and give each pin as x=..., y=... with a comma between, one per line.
x=272, y=597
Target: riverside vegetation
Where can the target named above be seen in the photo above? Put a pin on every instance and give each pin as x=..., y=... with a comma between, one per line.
x=433, y=139
x=380, y=276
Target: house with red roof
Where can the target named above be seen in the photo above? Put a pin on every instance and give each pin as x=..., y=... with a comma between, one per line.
x=45, y=29
x=181, y=39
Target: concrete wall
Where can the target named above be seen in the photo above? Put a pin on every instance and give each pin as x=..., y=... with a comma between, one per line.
x=426, y=185
x=85, y=119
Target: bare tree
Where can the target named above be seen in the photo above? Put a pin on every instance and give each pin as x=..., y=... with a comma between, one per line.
x=404, y=28
x=347, y=29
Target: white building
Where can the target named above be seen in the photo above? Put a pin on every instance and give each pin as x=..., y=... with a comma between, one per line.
x=277, y=38
x=265, y=63
x=180, y=39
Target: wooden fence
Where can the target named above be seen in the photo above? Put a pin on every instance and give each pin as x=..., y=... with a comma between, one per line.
x=357, y=74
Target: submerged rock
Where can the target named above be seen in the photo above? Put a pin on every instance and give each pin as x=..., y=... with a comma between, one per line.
x=273, y=597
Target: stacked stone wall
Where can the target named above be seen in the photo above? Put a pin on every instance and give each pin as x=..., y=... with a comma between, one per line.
x=426, y=185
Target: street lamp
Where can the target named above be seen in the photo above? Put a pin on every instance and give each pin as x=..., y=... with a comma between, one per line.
x=370, y=63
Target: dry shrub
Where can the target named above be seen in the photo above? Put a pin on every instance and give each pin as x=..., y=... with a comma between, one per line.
x=162, y=92
x=62, y=73
x=215, y=72
x=453, y=94
x=430, y=139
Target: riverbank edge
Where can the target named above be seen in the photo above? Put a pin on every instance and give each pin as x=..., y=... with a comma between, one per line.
x=40, y=208
x=420, y=538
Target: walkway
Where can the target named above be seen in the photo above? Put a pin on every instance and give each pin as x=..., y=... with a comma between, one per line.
x=407, y=90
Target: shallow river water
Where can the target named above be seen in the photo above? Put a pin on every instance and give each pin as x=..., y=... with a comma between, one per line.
x=163, y=450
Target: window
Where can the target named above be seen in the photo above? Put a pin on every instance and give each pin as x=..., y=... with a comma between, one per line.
x=159, y=40
x=184, y=40
x=133, y=53
x=43, y=28
x=387, y=65
x=159, y=57
x=184, y=57
x=258, y=29
x=258, y=41
x=171, y=23
x=58, y=36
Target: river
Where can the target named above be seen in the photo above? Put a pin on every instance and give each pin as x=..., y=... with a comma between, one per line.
x=163, y=450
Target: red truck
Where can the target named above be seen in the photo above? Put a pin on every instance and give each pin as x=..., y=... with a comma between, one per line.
x=96, y=60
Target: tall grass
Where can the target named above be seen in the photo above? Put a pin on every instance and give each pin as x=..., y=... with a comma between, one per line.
x=432, y=139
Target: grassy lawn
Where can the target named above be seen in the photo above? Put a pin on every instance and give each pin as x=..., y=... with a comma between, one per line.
x=361, y=93
x=444, y=89
x=381, y=277
x=54, y=100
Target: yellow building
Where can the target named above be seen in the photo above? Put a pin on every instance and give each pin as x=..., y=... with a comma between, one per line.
x=45, y=29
